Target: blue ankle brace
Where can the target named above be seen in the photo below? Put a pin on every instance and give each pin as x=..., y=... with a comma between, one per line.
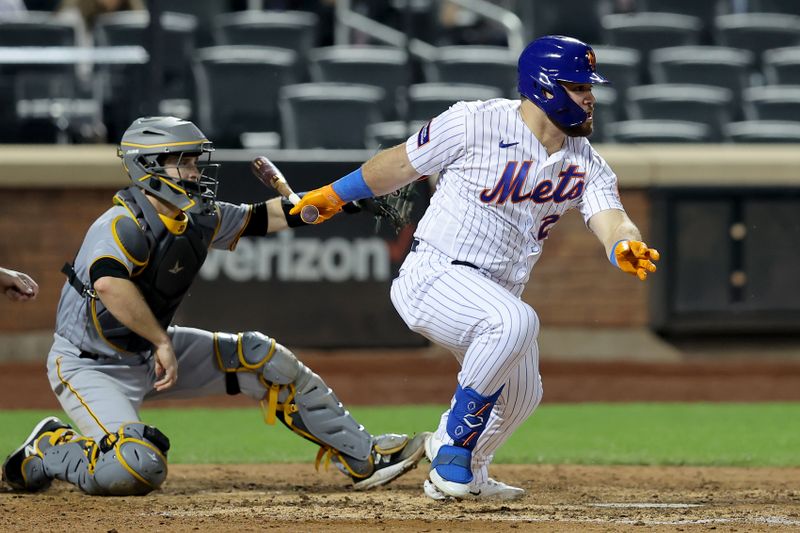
x=469, y=416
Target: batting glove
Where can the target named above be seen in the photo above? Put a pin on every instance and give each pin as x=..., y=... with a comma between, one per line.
x=634, y=257
x=325, y=199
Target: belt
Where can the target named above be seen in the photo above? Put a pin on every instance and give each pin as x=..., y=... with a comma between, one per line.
x=89, y=355
x=415, y=243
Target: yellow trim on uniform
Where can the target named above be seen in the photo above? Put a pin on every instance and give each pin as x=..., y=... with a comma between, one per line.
x=235, y=241
x=176, y=226
x=257, y=365
x=182, y=143
x=130, y=470
x=99, y=329
x=122, y=246
x=219, y=223
x=24, y=462
x=117, y=259
x=78, y=396
x=120, y=202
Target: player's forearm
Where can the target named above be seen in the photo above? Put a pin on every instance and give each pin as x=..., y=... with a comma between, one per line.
x=126, y=303
x=612, y=226
x=389, y=170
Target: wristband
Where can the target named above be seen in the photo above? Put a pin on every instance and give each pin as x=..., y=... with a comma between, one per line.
x=613, y=256
x=352, y=187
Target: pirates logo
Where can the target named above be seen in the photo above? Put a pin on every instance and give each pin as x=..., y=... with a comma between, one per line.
x=592, y=59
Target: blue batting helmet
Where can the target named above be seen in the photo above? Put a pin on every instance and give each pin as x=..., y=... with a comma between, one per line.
x=549, y=60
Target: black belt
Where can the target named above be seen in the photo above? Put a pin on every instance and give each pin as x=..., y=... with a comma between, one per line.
x=89, y=355
x=415, y=243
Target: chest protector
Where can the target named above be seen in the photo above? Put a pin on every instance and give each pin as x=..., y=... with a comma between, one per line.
x=174, y=262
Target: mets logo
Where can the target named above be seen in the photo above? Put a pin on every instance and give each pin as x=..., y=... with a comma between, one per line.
x=592, y=59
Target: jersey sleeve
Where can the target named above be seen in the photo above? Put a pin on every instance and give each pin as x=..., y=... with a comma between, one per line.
x=601, y=188
x=439, y=142
x=233, y=219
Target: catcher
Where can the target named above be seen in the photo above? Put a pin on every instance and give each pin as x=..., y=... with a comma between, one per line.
x=114, y=346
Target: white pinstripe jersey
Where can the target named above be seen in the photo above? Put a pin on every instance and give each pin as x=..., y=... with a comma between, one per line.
x=498, y=192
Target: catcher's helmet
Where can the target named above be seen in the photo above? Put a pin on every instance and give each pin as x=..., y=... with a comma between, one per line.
x=143, y=148
x=547, y=61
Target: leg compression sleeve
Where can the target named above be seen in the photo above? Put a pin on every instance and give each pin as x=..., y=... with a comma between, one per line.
x=467, y=420
x=306, y=404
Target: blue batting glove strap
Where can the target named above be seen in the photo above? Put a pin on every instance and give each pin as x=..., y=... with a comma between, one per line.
x=613, y=256
x=352, y=187
x=469, y=415
x=453, y=464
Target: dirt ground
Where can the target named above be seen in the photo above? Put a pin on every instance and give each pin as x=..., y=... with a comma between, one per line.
x=559, y=498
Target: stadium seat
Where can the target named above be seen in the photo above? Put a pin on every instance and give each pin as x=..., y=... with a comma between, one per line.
x=658, y=131
x=772, y=102
x=782, y=65
x=622, y=67
x=295, y=30
x=427, y=100
x=205, y=11
x=647, y=31
x=328, y=115
x=128, y=28
x=237, y=90
x=705, y=10
x=483, y=65
x=695, y=103
x=383, y=135
x=707, y=65
x=36, y=29
x=561, y=18
x=788, y=7
x=758, y=31
x=763, y=131
x=383, y=66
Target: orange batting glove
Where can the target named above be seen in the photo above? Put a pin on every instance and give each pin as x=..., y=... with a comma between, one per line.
x=325, y=199
x=634, y=257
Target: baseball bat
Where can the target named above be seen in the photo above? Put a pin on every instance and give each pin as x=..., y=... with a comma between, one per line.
x=266, y=171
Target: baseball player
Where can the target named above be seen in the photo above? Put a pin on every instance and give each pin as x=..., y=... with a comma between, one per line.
x=114, y=347
x=508, y=170
x=18, y=286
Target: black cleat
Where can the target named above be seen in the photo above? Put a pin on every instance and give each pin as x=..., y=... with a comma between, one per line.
x=16, y=468
x=392, y=456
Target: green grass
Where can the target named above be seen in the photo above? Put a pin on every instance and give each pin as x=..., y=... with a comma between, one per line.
x=762, y=434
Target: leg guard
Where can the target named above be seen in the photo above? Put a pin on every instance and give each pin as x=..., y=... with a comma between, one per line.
x=451, y=469
x=305, y=403
x=130, y=462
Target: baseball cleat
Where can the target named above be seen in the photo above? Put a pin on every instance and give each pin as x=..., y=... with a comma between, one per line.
x=392, y=462
x=19, y=470
x=491, y=490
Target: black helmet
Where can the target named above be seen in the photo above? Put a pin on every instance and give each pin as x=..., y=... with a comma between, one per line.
x=142, y=149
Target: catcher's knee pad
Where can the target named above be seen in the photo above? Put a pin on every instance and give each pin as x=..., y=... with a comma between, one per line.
x=130, y=462
x=133, y=461
x=305, y=403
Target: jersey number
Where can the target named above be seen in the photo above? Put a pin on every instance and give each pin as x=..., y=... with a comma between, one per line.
x=544, y=229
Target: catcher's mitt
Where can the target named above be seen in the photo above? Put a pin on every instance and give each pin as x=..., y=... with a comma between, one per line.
x=395, y=207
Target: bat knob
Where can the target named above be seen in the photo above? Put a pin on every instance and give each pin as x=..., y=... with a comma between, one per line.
x=309, y=214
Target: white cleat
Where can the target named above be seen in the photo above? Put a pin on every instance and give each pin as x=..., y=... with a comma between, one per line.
x=491, y=490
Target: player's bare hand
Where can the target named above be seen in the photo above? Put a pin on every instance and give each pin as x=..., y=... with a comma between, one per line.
x=18, y=286
x=324, y=199
x=636, y=258
x=166, y=366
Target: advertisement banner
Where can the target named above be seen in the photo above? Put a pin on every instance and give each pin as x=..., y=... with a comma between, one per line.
x=324, y=286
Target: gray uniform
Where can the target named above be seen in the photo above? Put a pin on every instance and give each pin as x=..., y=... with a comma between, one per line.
x=102, y=393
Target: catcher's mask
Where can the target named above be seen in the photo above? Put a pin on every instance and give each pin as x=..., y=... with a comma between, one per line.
x=144, y=149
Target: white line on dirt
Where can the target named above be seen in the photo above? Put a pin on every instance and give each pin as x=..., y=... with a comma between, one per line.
x=646, y=505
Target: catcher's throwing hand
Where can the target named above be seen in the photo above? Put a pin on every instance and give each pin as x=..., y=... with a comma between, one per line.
x=166, y=366
x=634, y=257
x=325, y=199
